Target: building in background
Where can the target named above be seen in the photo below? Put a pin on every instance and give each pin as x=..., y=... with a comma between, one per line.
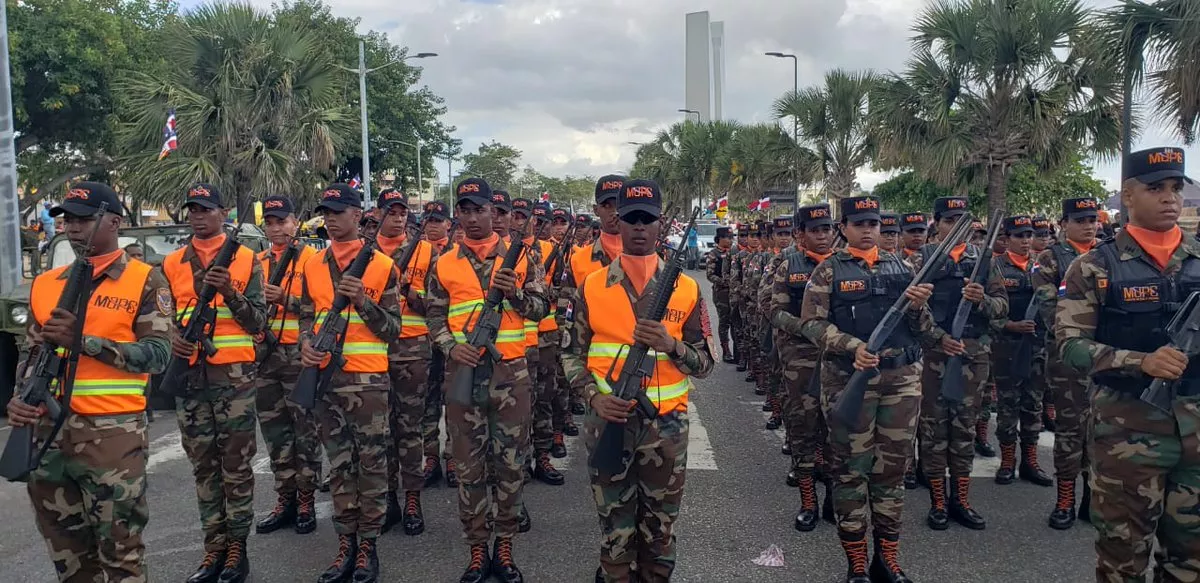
x=704, y=66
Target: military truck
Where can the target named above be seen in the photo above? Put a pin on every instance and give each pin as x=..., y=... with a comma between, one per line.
x=157, y=242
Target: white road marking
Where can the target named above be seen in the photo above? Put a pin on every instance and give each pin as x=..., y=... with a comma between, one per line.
x=165, y=449
x=700, y=450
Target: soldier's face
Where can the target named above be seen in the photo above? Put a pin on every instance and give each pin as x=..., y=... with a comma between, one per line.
x=913, y=238
x=861, y=234
x=1081, y=229
x=205, y=222
x=724, y=243
x=435, y=228
x=343, y=225
x=558, y=229
x=475, y=220
x=1020, y=243
x=782, y=239
x=500, y=221
x=1001, y=244
x=639, y=232
x=607, y=214
x=888, y=241
x=280, y=231
x=1153, y=206
x=752, y=241
x=518, y=222
x=394, y=221
x=819, y=239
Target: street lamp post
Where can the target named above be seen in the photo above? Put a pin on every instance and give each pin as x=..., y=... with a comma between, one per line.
x=690, y=112
x=362, y=71
x=795, y=87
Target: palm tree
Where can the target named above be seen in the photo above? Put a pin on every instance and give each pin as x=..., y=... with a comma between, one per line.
x=996, y=82
x=259, y=111
x=683, y=159
x=761, y=156
x=834, y=122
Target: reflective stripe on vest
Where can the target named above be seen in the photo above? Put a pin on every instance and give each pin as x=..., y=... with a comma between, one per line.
x=412, y=324
x=364, y=351
x=235, y=344
x=290, y=321
x=611, y=319
x=101, y=389
x=457, y=276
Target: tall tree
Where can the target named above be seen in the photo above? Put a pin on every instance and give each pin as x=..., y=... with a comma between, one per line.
x=994, y=83
x=494, y=162
x=762, y=157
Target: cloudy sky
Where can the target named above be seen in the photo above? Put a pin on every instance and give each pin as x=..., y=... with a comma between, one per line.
x=571, y=82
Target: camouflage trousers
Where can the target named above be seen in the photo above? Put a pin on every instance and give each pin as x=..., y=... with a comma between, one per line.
x=773, y=373
x=1072, y=407
x=737, y=334
x=435, y=400
x=488, y=441
x=354, y=426
x=802, y=415
x=406, y=451
x=638, y=507
x=987, y=398
x=89, y=498
x=290, y=432
x=1019, y=402
x=531, y=361
x=1145, y=485
x=947, y=431
x=217, y=425
x=720, y=296
x=550, y=407
x=867, y=458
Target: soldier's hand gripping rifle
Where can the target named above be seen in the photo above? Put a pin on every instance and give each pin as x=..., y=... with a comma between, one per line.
x=282, y=269
x=638, y=369
x=482, y=328
x=329, y=339
x=1184, y=333
x=557, y=260
x=850, y=403
x=413, y=230
x=46, y=366
x=953, y=381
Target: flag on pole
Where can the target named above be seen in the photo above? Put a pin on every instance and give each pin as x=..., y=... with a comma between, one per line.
x=170, y=138
x=355, y=182
x=764, y=203
x=723, y=202
x=545, y=197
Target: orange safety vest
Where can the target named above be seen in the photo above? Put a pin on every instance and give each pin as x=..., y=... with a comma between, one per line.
x=582, y=264
x=232, y=341
x=291, y=322
x=412, y=324
x=611, y=318
x=532, y=328
x=101, y=389
x=457, y=276
x=363, y=350
x=549, y=323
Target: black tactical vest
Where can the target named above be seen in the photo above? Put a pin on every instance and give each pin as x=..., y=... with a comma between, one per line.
x=719, y=259
x=799, y=270
x=948, y=283
x=859, y=299
x=1138, y=306
x=1064, y=254
x=1019, y=286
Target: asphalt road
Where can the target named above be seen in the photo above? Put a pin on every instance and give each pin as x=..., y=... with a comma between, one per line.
x=735, y=506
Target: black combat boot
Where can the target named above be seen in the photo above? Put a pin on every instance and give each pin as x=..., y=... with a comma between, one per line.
x=806, y=519
x=1063, y=515
x=343, y=564
x=237, y=563
x=306, y=512
x=938, y=518
x=1030, y=471
x=366, y=562
x=571, y=429
x=480, y=567
x=283, y=515
x=546, y=472
x=210, y=568
x=1085, y=501
x=414, y=521
x=960, y=505
x=726, y=355
x=559, y=449
x=1008, y=464
x=793, y=478
x=451, y=473
x=392, y=516
x=982, y=447
x=910, y=478
x=503, y=566
x=524, y=522
x=433, y=471
x=885, y=566
x=577, y=408
x=855, y=547
x=787, y=448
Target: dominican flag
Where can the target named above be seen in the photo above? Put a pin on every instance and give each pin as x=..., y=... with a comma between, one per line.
x=723, y=202
x=761, y=204
x=356, y=182
x=170, y=138
x=1062, y=290
x=545, y=197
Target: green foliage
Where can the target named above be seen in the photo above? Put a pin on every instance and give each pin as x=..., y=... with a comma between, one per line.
x=494, y=162
x=907, y=192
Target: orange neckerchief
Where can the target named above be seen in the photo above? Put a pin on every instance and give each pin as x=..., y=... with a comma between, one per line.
x=611, y=244
x=908, y=252
x=1159, y=246
x=206, y=249
x=344, y=251
x=871, y=256
x=389, y=245
x=100, y=263
x=439, y=244
x=1082, y=248
x=818, y=257
x=957, y=252
x=1019, y=261
x=482, y=247
x=639, y=269
x=277, y=251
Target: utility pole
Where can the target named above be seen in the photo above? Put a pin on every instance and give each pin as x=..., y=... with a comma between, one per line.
x=362, y=111
x=10, y=219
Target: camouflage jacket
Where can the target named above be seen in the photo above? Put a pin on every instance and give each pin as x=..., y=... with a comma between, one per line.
x=737, y=264
x=794, y=348
x=753, y=275
x=1049, y=278
x=696, y=360
x=1078, y=312
x=417, y=347
x=766, y=283
x=716, y=268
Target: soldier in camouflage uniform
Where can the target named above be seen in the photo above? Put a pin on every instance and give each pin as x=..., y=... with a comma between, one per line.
x=737, y=321
x=781, y=233
x=716, y=269
x=639, y=504
x=806, y=431
x=1111, y=324
x=552, y=328
x=291, y=433
x=1043, y=238
x=436, y=226
x=89, y=489
x=1020, y=400
x=867, y=457
x=988, y=401
x=490, y=432
x=889, y=233
x=216, y=412
x=751, y=274
x=1070, y=390
x=914, y=229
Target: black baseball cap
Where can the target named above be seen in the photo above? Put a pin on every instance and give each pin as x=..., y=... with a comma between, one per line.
x=639, y=195
x=1041, y=225
x=608, y=187
x=860, y=208
x=783, y=223
x=559, y=213
x=723, y=233
x=501, y=200
x=949, y=206
x=743, y=230
x=278, y=206
x=205, y=195
x=889, y=223
x=583, y=219
x=764, y=228
x=523, y=206
x=754, y=229
x=338, y=197
x=1073, y=208
x=437, y=210
x=1018, y=224
x=1153, y=165
x=815, y=215
x=474, y=190
x=913, y=221
x=84, y=200
x=392, y=196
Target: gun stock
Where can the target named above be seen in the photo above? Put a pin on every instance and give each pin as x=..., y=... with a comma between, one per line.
x=953, y=381
x=1184, y=332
